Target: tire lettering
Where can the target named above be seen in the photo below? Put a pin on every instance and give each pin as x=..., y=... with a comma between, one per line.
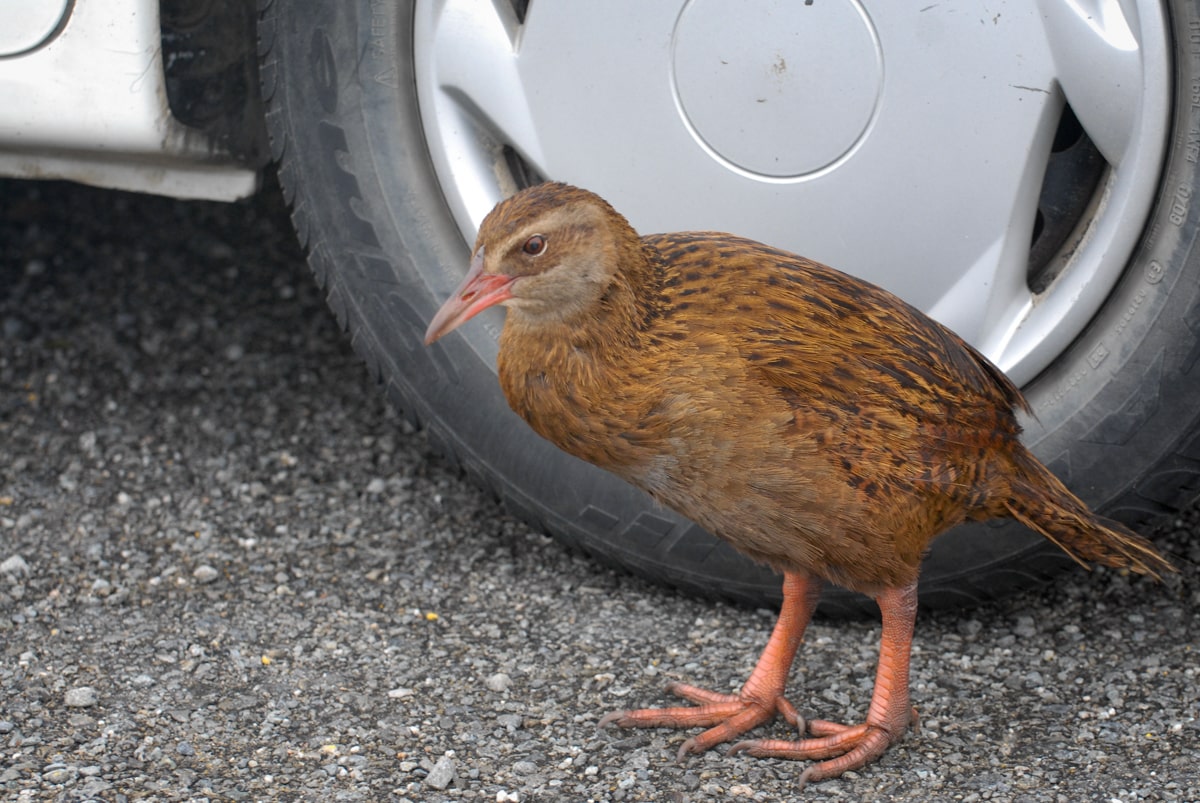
x=1192, y=147
x=381, y=35
x=1179, y=205
x=1131, y=310
x=1072, y=382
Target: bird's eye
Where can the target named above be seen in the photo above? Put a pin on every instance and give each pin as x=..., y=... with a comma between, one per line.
x=534, y=245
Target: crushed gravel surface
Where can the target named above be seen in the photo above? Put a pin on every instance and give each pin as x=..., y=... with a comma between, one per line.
x=229, y=572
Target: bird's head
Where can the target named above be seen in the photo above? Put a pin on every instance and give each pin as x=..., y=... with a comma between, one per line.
x=548, y=253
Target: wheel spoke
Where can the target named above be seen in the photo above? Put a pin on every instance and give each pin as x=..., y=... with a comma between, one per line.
x=470, y=48
x=1098, y=61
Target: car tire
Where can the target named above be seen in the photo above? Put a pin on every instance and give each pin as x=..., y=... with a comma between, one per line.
x=1117, y=415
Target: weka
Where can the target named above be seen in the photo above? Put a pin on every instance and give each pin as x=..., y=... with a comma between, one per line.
x=813, y=420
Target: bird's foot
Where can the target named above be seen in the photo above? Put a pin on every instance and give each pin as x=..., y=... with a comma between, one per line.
x=838, y=747
x=725, y=715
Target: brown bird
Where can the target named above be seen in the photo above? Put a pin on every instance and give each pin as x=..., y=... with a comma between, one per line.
x=814, y=421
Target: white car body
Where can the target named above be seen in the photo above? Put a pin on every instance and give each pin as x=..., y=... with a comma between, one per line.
x=83, y=98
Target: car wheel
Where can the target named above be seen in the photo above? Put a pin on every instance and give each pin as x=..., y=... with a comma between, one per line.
x=1025, y=176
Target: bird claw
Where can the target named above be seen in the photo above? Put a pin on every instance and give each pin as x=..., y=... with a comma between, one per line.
x=688, y=746
x=839, y=749
x=738, y=747
x=726, y=716
x=610, y=718
x=810, y=773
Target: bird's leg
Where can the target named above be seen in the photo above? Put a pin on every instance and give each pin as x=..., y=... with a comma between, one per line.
x=849, y=747
x=729, y=715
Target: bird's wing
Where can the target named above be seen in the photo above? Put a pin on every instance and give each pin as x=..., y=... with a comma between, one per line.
x=815, y=333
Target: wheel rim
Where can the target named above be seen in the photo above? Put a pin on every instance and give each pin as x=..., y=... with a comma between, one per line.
x=1005, y=201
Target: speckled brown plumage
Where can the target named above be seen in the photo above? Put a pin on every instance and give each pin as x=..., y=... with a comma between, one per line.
x=813, y=420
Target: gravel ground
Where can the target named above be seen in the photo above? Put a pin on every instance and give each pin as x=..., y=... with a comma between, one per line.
x=229, y=572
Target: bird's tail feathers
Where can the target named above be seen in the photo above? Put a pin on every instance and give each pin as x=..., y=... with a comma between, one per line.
x=1043, y=504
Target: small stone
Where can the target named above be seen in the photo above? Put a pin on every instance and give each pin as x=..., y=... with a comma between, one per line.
x=511, y=721
x=205, y=574
x=442, y=774
x=237, y=702
x=185, y=749
x=376, y=486
x=151, y=346
x=14, y=565
x=58, y=773
x=499, y=682
x=525, y=768
x=81, y=697
x=15, y=328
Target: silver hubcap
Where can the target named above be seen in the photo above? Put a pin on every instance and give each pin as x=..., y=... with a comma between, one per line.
x=770, y=79
x=922, y=148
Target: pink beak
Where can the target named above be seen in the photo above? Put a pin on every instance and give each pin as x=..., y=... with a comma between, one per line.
x=477, y=292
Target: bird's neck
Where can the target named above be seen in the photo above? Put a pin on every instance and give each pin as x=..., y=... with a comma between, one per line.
x=633, y=303
x=561, y=377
